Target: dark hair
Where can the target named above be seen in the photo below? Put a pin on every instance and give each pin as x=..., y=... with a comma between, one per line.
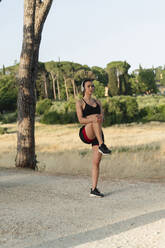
x=87, y=80
x=84, y=81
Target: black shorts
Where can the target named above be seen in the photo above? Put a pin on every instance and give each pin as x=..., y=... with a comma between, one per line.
x=86, y=140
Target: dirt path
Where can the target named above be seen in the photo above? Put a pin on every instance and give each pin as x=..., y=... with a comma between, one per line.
x=39, y=210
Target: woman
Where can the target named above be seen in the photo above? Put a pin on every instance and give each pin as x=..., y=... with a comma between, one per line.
x=90, y=113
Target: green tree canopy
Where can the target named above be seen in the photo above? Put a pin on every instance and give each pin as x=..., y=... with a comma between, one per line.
x=146, y=81
x=100, y=74
x=8, y=93
x=99, y=91
x=118, y=78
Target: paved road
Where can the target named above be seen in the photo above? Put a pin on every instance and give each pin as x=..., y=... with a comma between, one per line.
x=38, y=210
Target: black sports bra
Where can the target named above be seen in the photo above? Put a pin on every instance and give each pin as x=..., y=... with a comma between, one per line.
x=90, y=110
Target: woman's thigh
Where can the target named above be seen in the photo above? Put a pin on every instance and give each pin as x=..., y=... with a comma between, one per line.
x=89, y=131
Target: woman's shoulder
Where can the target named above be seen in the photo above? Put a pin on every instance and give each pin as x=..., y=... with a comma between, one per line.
x=97, y=101
x=79, y=102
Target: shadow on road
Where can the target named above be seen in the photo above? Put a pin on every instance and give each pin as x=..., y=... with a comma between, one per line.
x=103, y=232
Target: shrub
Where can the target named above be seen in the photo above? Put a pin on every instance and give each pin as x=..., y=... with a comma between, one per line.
x=3, y=130
x=58, y=106
x=99, y=89
x=123, y=109
x=54, y=117
x=117, y=110
x=42, y=106
x=61, y=113
x=8, y=93
x=107, y=119
x=161, y=111
x=153, y=113
x=112, y=111
x=130, y=109
x=70, y=105
x=51, y=118
x=9, y=118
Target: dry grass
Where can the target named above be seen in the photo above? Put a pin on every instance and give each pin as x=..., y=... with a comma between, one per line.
x=138, y=150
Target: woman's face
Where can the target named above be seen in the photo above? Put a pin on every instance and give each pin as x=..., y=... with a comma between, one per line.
x=89, y=87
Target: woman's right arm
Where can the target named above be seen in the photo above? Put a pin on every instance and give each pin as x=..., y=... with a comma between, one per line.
x=81, y=119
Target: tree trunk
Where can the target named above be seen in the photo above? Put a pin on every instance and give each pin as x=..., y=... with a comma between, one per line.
x=26, y=101
x=66, y=89
x=35, y=13
x=74, y=88
x=4, y=70
x=58, y=88
x=45, y=86
x=118, y=82
x=54, y=86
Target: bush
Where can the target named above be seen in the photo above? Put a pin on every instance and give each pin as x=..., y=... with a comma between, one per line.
x=99, y=89
x=51, y=118
x=3, y=130
x=149, y=113
x=150, y=100
x=130, y=108
x=58, y=106
x=161, y=110
x=153, y=113
x=54, y=117
x=113, y=113
x=117, y=110
x=107, y=118
x=8, y=93
x=61, y=113
x=70, y=105
x=42, y=106
x=8, y=118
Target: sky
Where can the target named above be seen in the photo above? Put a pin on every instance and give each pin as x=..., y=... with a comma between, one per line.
x=91, y=32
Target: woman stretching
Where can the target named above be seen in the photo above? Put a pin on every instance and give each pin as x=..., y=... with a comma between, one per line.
x=90, y=113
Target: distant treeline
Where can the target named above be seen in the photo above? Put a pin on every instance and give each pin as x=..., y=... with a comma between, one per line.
x=61, y=80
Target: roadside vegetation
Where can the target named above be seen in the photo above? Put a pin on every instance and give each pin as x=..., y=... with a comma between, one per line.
x=126, y=97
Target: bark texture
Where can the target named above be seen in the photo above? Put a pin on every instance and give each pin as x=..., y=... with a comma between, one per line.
x=74, y=88
x=35, y=13
x=66, y=88
x=58, y=88
x=53, y=84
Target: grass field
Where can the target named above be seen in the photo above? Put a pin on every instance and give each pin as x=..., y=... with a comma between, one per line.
x=138, y=150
